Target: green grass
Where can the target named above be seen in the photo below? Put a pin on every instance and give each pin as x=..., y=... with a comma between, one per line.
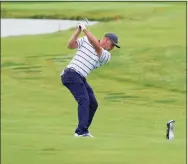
x=76, y=10
x=138, y=91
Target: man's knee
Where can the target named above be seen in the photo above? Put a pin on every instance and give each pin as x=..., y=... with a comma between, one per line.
x=94, y=104
x=83, y=100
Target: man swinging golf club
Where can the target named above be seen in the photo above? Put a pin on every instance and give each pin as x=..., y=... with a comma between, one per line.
x=90, y=54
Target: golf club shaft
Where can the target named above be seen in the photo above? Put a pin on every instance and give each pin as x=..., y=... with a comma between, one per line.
x=85, y=20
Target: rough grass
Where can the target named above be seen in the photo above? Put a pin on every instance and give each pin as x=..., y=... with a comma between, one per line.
x=138, y=92
x=77, y=10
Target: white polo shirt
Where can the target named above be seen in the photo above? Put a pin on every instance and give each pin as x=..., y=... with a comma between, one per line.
x=86, y=58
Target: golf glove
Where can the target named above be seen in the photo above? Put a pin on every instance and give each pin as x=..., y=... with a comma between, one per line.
x=81, y=26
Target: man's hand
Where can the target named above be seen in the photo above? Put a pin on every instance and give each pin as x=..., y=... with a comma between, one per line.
x=81, y=26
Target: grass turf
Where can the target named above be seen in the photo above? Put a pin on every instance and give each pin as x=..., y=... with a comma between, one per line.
x=91, y=10
x=138, y=91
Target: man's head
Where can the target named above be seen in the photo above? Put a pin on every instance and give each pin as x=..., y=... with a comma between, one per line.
x=109, y=41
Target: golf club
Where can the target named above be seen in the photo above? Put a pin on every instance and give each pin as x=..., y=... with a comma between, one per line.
x=85, y=20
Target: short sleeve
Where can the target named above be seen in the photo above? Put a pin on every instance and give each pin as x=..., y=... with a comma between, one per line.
x=105, y=57
x=80, y=42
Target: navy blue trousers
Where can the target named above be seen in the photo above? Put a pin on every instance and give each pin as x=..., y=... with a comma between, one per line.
x=83, y=94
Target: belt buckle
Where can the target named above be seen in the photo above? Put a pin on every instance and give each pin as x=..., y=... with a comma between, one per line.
x=72, y=69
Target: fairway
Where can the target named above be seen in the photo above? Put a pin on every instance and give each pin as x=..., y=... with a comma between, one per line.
x=142, y=88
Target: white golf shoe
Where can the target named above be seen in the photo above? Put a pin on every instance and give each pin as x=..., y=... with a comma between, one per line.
x=83, y=135
x=89, y=135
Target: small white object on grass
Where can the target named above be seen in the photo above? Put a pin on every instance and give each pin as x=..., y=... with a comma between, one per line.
x=170, y=130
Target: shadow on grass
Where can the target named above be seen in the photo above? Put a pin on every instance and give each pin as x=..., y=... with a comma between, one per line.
x=117, y=97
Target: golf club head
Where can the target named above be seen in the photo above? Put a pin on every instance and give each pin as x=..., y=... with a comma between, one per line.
x=170, y=130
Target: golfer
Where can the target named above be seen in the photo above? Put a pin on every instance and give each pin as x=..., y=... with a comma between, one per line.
x=90, y=54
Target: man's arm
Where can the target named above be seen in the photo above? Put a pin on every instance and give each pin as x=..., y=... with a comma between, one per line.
x=72, y=42
x=94, y=42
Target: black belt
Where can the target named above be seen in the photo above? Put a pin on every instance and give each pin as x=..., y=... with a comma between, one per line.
x=71, y=69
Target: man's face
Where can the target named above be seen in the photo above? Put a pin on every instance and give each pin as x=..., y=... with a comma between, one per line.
x=107, y=44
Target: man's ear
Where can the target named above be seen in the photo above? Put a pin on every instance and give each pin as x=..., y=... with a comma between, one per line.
x=105, y=39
